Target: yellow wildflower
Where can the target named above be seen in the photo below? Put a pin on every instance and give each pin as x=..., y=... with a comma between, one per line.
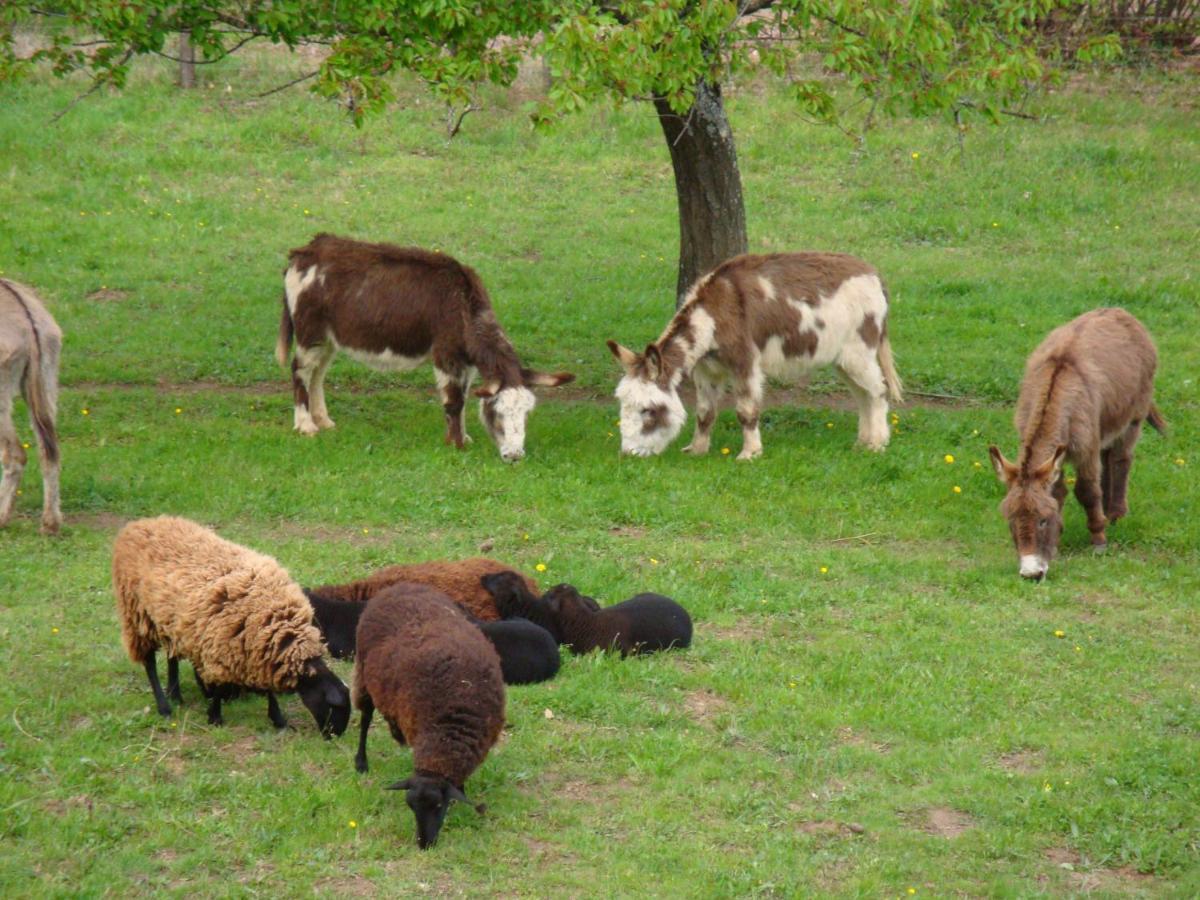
x=653, y=561
x=353, y=824
x=724, y=451
x=1059, y=633
x=949, y=458
x=54, y=630
x=824, y=570
x=541, y=567
x=957, y=489
x=915, y=155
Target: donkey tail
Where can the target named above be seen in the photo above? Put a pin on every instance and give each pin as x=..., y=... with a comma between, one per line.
x=1155, y=418
x=286, y=333
x=894, y=385
x=39, y=396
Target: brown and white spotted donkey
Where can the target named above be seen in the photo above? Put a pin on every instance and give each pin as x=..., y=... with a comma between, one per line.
x=780, y=315
x=393, y=308
x=1087, y=389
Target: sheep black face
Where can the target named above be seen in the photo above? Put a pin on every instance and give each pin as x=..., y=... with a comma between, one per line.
x=326, y=697
x=510, y=593
x=429, y=797
x=563, y=598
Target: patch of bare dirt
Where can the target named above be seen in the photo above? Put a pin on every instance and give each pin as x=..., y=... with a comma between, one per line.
x=946, y=822
x=166, y=855
x=346, y=886
x=1122, y=880
x=107, y=295
x=851, y=738
x=704, y=706
x=630, y=531
x=827, y=827
x=1022, y=762
x=59, y=807
x=741, y=630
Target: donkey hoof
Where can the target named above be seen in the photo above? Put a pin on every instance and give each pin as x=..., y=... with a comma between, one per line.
x=1100, y=548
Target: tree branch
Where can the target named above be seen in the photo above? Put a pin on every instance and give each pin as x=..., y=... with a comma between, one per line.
x=96, y=85
x=208, y=62
x=284, y=87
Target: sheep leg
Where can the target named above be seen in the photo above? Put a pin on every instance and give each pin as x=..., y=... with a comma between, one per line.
x=173, y=691
x=360, y=758
x=214, y=708
x=164, y=707
x=274, y=713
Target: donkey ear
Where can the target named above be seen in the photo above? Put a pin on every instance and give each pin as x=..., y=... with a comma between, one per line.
x=1052, y=467
x=626, y=357
x=653, y=362
x=1005, y=470
x=545, y=379
x=487, y=390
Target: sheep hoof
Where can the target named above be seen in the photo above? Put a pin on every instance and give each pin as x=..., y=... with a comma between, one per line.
x=164, y=710
x=360, y=765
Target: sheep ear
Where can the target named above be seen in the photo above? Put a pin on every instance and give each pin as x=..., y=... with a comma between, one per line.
x=400, y=785
x=454, y=793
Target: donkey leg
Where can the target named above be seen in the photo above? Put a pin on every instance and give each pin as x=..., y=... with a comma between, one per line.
x=1091, y=497
x=1106, y=479
x=452, y=389
x=748, y=393
x=708, y=396
x=859, y=366
x=51, y=510
x=12, y=454
x=304, y=366
x=316, y=391
x=1119, y=462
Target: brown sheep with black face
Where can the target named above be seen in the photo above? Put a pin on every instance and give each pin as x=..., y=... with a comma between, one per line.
x=437, y=681
x=234, y=613
x=457, y=578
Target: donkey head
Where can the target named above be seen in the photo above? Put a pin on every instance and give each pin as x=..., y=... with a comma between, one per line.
x=652, y=414
x=1033, y=508
x=504, y=409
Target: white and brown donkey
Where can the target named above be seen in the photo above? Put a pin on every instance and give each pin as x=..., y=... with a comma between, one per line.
x=780, y=315
x=393, y=308
x=1088, y=387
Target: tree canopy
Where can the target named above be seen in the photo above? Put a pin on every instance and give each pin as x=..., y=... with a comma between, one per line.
x=846, y=61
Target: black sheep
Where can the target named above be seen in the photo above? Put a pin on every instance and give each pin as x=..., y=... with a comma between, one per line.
x=528, y=653
x=643, y=624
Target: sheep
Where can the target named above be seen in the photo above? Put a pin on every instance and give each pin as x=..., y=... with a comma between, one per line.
x=458, y=579
x=642, y=624
x=234, y=613
x=438, y=684
x=528, y=653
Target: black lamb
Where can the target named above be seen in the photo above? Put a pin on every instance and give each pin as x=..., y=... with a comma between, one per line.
x=643, y=624
x=528, y=653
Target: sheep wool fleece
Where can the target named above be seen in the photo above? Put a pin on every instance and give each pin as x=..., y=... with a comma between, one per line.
x=434, y=677
x=234, y=613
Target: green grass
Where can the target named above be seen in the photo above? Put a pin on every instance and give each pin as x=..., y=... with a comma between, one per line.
x=917, y=677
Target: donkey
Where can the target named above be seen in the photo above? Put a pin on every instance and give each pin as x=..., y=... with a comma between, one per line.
x=755, y=316
x=1087, y=389
x=392, y=308
x=30, y=343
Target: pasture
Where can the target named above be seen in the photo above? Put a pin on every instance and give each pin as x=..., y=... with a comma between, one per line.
x=874, y=704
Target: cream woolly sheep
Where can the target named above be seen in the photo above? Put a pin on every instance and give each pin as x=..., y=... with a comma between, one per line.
x=234, y=613
x=437, y=682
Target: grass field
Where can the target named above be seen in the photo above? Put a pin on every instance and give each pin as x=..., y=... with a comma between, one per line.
x=874, y=705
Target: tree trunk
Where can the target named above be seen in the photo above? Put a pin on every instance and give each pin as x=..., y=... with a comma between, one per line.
x=712, y=211
x=187, y=60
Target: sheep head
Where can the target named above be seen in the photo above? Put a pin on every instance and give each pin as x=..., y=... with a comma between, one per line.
x=326, y=697
x=429, y=797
